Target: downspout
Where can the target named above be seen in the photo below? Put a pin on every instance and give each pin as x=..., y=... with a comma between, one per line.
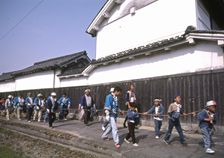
x=54, y=79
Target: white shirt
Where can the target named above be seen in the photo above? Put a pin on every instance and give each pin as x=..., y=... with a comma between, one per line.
x=88, y=101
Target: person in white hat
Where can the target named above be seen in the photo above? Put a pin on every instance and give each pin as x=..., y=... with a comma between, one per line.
x=18, y=105
x=51, y=106
x=38, y=107
x=206, y=123
x=8, y=106
x=157, y=110
x=29, y=106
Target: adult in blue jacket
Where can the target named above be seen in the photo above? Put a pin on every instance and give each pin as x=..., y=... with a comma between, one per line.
x=111, y=110
x=157, y=110
x=29, y=106
x=51, y=105
x=18, y=105
x=65, y=103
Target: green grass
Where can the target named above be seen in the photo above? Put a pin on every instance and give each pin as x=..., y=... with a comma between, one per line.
x=6, y=152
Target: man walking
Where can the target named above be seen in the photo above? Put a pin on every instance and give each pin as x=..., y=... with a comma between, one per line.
x=38, y=107
x=64, y=102
x=111, y=110
x=29, y=106
x=8, y=106
x=51, y=106
x=86, y=103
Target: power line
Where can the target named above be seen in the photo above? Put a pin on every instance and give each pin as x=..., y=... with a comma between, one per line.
x=21, y=20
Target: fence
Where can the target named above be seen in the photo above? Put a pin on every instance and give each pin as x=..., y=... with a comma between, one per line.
x=194, y=88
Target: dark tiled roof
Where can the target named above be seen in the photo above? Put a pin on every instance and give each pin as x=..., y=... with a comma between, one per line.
x=6, y=76
x=51, y=64
x=73, y=71
x=153, y=46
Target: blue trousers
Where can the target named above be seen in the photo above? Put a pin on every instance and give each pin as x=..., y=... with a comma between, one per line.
x=177, y=125
x=112, y=127
x=207, y=136
x=158, y=125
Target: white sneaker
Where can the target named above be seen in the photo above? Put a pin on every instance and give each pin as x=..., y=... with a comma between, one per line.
x=209, y=151
x=135, y=144
x=103, y=128
x=157, y=137
x=127, y=141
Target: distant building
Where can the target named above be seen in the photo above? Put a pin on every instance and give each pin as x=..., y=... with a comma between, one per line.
x=44, y=74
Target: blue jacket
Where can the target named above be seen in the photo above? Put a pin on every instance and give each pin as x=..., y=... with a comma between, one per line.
x=18, y=102
x=111, y=104
x=152, y=110
x=29, y=102
x=37, y=103
x=202, y=123
x=51, y=104
x=132, y=116
x=64, y=102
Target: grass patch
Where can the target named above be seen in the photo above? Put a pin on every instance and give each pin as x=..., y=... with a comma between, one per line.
x=6, y=152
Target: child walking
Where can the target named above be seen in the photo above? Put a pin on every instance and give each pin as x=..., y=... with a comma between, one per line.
x=157, y=110
x=206, y=123
x=132, y=116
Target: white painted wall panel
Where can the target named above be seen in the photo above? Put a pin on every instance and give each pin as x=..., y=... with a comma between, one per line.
x=195, y=58
x=35, y=81
x=71, y=82
x=158, y=20
x=7, y=86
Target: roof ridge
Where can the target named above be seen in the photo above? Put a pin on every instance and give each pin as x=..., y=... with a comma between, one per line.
x=56, y=58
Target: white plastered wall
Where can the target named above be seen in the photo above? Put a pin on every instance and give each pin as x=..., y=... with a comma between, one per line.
x=203, y=56
x=7, y=86
x=35, y=81
x=158, y=20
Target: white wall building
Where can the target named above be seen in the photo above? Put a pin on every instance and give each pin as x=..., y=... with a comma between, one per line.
x=136, y=39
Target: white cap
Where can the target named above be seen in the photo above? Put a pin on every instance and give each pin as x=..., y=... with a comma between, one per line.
x=87, y=90
x=9, y=96
x=112, y=89
x=39, y=95
x=53, y=94
x=210, y=103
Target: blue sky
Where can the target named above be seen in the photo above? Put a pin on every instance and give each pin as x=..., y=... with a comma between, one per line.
x=54, y=28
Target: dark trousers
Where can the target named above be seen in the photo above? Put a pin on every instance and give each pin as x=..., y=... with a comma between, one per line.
x=158, y=125
x=51, y=117
x=29, y=113
x=63, y=113
x=125, y=120
x=177, y=125
x=131, y=129
x=86, y=116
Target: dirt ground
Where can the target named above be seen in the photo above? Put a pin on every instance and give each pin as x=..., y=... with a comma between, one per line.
x=13, y=145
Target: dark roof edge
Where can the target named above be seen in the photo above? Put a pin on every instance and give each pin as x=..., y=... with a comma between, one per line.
x=173, y=41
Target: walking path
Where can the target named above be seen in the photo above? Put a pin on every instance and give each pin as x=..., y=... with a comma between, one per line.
x=88, y=139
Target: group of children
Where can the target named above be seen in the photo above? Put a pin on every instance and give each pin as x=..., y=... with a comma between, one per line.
x=206, y=118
